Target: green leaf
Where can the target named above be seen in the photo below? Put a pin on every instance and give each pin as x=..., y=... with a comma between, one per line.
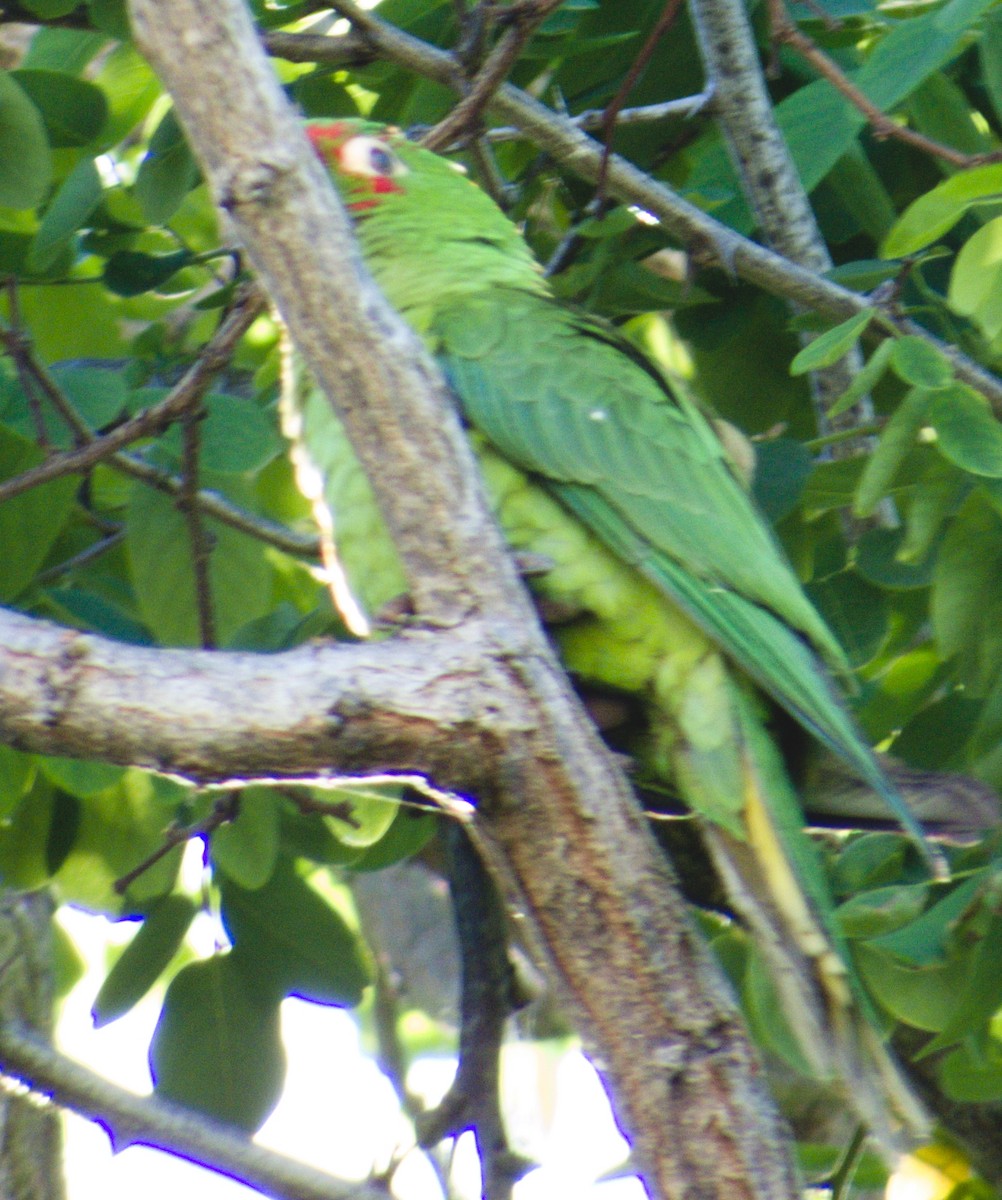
x=73, y=203
x=897, y=439
x=25, y=836
x=919, y=364
x=17, y=773
x=145, y=958
x=831, y=485
x=372, y=813
x=48, y=10
x=878, y=560
x=74, y=111
x=112, y=17
x=81, y=777
x=235, y=436
x=409, y=832
x=869, y=861
x=936, y=212
x=967, y=433
x=217, y=1046
x=920, y=996
x=66, y=50
x=131, y=89
x=938, y=493
x=119, y=829
x=31, y=522
x=865, y=379
x=940, y=110
x=158, y=542
x=167, y=173
x=966, y=602
x=131, y=272
x=74, y=322
x=970, y=1079
x=98, y=396
x=246, y=848
x=782, y=468
x=989, y=48
x=981, y=995
x=856, y=611
x=872, y=914
x=297, y=942
x=926, y=941
x=832, y=345
x=25, y=158
x=934, y=737
x=977, y=279
x=864, y=275
x=84, y=610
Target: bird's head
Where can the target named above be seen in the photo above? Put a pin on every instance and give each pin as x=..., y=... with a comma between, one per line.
x=362, y=158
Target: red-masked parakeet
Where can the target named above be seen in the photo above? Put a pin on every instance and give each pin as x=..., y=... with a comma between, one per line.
x=598, y=467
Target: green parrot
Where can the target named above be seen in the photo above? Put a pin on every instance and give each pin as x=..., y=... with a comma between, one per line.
x=596, y=466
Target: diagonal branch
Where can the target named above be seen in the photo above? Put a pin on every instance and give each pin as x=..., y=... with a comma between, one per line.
x=143, y=1120
x=556, y=820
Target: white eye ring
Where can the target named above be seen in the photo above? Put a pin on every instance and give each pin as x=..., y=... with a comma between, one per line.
x=370, y=157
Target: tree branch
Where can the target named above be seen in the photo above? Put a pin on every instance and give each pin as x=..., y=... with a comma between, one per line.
x=142, y=1120
x=769, y=179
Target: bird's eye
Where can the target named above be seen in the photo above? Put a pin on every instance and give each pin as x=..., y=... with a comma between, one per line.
x=368, y=156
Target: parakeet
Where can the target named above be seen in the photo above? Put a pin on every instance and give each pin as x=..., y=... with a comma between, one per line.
x=681, y=595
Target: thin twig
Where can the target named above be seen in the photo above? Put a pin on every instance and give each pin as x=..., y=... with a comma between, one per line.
x=214, y=356
x=615, y=105
x=473, y=1101
x=491, y=75
x=14, y=344
x=225, y=809
x=786, y=33
x=83, y=558
x=215, y=505
x=201, y=544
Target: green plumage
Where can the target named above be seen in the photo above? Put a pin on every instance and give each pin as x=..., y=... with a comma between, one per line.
x=682, y=595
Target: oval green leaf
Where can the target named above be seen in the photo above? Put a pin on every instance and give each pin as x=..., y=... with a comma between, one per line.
x=217, y=1047
x=920, y=364
x=936, y=213
x=296, y=941
x=167, y=173
x=966, y=432
x=77, y=197
x=833, y=344
x=144, y=959
x=74, y=111
x=25, y=158
x=976, y=280
x=246, y=848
